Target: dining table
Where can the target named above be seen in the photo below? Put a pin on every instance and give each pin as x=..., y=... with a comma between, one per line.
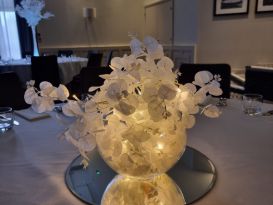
x=34, y=157
x=69, y=66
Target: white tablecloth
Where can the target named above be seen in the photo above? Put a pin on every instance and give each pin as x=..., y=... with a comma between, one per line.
x=241, y=148
x=33, y=160
x=68, y=68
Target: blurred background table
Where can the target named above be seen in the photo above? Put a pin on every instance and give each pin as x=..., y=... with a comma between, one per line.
x=68, y=68
x=33, y=159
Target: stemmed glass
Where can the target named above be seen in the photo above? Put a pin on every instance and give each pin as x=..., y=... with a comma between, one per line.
x=222, y=102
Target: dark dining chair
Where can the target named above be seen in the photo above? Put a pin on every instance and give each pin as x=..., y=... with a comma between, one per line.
x=76, y=86
x=89, y=76
x=45, y=68
x=65, y=53
x=11, y=91
x=94, y=59
x=188, y=72
x=259, y=80
x=108, y=58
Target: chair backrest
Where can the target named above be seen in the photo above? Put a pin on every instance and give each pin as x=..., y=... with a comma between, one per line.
x=188, y=72
x=45, y=68
x=89, y=76
x=260, y=81
x=108, y=57
x=94, y=59
x=11, y=91
x=66, y=53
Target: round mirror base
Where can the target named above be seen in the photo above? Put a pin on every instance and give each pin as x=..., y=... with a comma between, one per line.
x=194, y=173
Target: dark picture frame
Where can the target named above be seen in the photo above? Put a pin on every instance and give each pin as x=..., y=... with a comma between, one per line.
x=230, y=7
x=264, y=6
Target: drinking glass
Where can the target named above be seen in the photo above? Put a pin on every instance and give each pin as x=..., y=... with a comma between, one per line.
x=6, y=119
x=222, y=102
x=28, y=59
x=252, y=104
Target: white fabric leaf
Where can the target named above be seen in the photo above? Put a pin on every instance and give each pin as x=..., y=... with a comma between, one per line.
x=149, y=93
x=202, y=77
x=117, y=63
x=132, y=100
x=191, y=87
x=52, y=92
x=72, y=108
x=167, y=92
x=136, y=47
x=30, y=95
x=216, y=91
x=90, y=106
x=93, y=88
x=44, y=85
x=156, y=110
x=30, y=83
x=151, y=44
x=114, y=90
x=155, y=50
x=188, y=121
x=166, y=63
x=158, y=53
x=136, y=135
x=135, y=74
x=125, y=108
x=62, y=92
x=87, y=143
x=82, y=144
x=183, y=95
x=42, y=104
x=188, y=106
x=113, y=120
x=46, y=89
x=142, y=136
x=215, y=83
x=105, y=76
x=200, y=96
x=211, y=111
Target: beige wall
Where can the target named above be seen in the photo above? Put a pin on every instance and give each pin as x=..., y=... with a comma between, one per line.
x=114, y=20
x=185, y=22
x=237, y=40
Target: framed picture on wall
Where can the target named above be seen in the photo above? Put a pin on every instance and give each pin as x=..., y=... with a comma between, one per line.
x=264, y=6
x=230, y=7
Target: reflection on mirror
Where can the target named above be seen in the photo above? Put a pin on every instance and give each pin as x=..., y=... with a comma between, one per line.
x=194, y=174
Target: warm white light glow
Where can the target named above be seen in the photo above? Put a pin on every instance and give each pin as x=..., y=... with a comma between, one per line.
x=162, y=135
x=75, y=97
x=139, y=116
x=160, y=146
x=184, y=95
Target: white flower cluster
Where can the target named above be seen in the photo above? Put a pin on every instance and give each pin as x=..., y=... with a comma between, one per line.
x=31, y=10
x=139, y=99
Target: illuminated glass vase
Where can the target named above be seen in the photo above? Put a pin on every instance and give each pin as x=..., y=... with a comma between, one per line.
x=35, y=44
x=141, y=155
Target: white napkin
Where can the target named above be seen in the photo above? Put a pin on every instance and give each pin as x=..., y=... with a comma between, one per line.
x=30, y=115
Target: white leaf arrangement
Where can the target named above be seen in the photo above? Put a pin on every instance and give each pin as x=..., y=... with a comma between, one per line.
x=31, y=10
x=142, y=90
